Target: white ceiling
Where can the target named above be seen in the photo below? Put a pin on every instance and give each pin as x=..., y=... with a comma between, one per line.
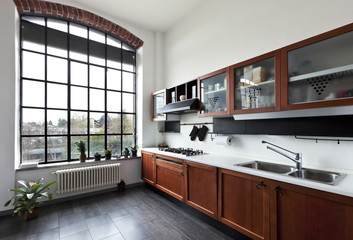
x=157, y=15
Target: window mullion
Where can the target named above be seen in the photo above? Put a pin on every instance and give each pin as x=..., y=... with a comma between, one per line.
x=45, y=93
x=69, y=96
x=88, y=96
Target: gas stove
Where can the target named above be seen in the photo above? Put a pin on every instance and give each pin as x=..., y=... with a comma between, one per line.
x=184, y=151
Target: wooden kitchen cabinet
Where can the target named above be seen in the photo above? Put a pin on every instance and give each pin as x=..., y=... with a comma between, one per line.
x=201, y=188
x=306, y=214
x=317, y=72
x=243, y=203
x=255, y=84
x=214, y=93
x=148, y=167
x=170, y=176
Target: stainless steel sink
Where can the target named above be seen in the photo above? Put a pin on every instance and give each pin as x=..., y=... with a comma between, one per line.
x=318, y=176
x=330, y=178
x=268, y=167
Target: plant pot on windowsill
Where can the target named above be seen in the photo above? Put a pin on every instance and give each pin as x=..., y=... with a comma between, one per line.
x=32, y=215
x=97, y=157
x=108, y=154
x=133, y=153
x=83, y=157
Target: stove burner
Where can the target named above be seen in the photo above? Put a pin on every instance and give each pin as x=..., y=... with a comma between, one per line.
x=184, y=151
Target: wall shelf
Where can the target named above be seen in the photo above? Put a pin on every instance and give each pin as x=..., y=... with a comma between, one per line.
x=259, y=84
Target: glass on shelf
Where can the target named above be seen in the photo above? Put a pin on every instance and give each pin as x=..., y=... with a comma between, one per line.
x=321, y=71
x=255, y=85
x=214, y=94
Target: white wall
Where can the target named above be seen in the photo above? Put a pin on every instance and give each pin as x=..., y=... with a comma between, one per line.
x=220, y=33
x=146, y=83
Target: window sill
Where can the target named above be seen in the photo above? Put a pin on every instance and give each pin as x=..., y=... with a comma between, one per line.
x=74, y=164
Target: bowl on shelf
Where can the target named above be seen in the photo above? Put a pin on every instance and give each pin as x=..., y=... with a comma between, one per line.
x=182, y=97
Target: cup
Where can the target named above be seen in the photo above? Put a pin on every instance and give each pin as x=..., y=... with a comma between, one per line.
x=217, y=86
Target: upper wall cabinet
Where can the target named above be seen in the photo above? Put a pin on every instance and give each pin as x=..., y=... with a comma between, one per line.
x=255, y=84
x=214, y=93
x=158, y=101
x=318, y=72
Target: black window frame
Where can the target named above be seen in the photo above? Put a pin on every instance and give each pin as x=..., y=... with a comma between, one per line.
x=124, y=48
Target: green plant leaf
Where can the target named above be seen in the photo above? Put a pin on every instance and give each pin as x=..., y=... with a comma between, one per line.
x=30, y=195
x=46, y=186
x=39, y=180
x=16, y=190
x=8, y=202
x=23, y=183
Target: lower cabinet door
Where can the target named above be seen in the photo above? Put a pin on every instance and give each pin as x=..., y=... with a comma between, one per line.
x=243, y=202
x=201, y=188
x=307, y=214
x=148, y=167
x=170, y=177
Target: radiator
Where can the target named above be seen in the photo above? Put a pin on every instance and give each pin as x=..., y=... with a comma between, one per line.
x=82, y=178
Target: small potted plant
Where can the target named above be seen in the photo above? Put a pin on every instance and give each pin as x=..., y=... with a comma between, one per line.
x=126, y=153
x=134, y=151
x=108, y=154
x=27, y=196
x=81, y=147
x=97, y=157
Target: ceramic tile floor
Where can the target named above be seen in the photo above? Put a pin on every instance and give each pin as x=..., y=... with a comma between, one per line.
x=138, y=213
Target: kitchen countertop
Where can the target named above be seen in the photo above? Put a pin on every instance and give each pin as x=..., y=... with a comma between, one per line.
x=344, y=187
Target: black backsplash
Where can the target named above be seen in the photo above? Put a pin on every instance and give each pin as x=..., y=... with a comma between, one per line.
x=333, y=126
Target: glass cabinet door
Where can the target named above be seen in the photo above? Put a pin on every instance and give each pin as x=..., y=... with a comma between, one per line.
x=158, y=101
x=321, y=71
x=213, y=91
x=255, y=85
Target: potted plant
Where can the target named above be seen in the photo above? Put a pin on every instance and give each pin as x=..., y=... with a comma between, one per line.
x=97, y=157
x=108, y=154
x=134, y=151
x=126, y=153
x=27, y=196
x=81, y=147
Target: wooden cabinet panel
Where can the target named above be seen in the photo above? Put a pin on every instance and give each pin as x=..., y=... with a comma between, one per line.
x=243, y=203
x=148, y=167
x=201, y=188
x=170, y=176
x=303, y=213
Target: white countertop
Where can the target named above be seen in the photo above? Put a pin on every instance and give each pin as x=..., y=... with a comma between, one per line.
x=344, y=187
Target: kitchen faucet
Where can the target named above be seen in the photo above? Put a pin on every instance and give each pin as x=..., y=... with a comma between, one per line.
x=297, y=158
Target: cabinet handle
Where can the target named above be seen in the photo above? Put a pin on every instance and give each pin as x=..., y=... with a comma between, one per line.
x=278, y=190
x=260, y=185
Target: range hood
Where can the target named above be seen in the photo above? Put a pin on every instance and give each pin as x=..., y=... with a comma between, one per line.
x=186, y=106
x=315, y=112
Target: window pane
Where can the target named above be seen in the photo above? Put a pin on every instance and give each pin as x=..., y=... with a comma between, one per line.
x=57, y=122
x=78, y=122
x=128, y=82
x=113, y=79
x=57, y=43
x=96, y=123
x=78, y=30
x=75, y=154
x=57, y=149
x=79, y=73
x=57, y=69
x=33, y=93
x=113, y=42
x=128, y=61
x=33, y=65
x=113, y=57
x=57, y=95
x=96, y=101
x=128, y=142
x=36, y=20
x=97, y=53
x=127, y=47
x=78, y=48
x=128, y=102
x=96, y=77
x=32, y=121
x=96, y=36
x=114, y=123
x=128, y=123
x=57, y=24
x=96, y=145
x=113, y=101
x=33, y=37
x=79, y=98
x=114, y=144
x=33, y=149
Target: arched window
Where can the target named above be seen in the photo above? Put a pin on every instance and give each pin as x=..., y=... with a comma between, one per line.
x=76, y=83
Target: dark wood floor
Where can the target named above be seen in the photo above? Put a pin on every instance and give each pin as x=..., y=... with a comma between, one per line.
x=138, y=213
